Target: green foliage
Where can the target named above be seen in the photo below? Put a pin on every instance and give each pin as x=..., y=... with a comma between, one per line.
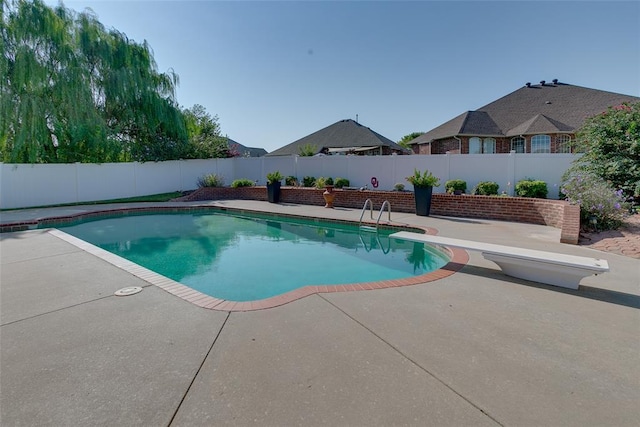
x=601, y=206
x=486, y=188
x=274, y=177
x=531, y=188
x=398, y=187
x=73, y=91
x=328, y=181
x=211, y=180
x=611, y=145
x=455, y=185
x=342, y=182
x=321, y=182
x=203, y=131
x=291, y=181
x=308, y=150
x=404, y=142
x=308, y=181
x=242, y=182
x=423, y=179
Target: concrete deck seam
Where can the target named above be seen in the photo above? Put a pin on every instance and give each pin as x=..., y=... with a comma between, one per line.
x=42, y=257
x=58, y=309
x=415, y=363
x=193, y=380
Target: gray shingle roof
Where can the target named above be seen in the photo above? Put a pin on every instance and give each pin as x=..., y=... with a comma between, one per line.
x=533, y=109
x=539, y=124
x=253, y=152
x=479, y=123
x=343, y=134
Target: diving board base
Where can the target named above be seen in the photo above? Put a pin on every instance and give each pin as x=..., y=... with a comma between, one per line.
x=541, y=272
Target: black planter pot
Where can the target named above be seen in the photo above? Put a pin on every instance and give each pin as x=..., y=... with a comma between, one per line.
x=273, y=192
x=423, y=200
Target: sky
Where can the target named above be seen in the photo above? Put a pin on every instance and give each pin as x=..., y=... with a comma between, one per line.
x=274, y=72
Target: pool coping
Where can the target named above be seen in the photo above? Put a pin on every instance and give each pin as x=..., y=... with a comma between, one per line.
x=458, y=259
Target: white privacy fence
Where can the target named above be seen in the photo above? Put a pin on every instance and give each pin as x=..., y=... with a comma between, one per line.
x=24, y=185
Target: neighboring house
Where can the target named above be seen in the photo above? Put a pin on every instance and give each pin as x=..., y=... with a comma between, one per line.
x=245, y=151
x=344, y=137
x=540, y=118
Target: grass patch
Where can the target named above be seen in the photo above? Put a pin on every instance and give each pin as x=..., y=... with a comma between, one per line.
x=163, y=197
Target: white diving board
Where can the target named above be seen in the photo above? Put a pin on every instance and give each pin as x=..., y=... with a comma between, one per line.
x=538, y=266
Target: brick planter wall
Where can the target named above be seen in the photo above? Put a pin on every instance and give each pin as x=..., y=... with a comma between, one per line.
x=555, y=213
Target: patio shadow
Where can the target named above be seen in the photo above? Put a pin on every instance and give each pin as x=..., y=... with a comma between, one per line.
x=599, y=294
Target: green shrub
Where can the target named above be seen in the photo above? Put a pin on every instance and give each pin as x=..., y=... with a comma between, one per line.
x=308, y=181
x=321, y=182
x=328, y=181
x=242, y=182
x=291, y=181
x=530, y=188
x=398, y=187
x=455, y=185
x=211, y=180
x=601, y=206
x=342, y=182
x=486, y=188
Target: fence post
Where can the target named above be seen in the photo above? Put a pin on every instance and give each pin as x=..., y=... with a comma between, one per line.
x=135, y=179
x=511, y=172
x=77, y=184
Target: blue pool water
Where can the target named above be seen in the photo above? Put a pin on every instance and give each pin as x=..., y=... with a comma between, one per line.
x=248, y=257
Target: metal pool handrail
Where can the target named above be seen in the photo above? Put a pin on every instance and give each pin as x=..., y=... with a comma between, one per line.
x=364, y=209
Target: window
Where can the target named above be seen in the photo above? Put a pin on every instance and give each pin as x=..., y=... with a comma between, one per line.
x=541, y=144
x=563, y=144
x=479, y=146
x=517, y=144
x=489, y=146
x=475, y=145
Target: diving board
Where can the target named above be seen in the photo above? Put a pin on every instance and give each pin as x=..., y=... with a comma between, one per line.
x=550, y=268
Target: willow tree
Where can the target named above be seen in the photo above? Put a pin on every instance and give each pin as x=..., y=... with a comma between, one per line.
x=73, y=91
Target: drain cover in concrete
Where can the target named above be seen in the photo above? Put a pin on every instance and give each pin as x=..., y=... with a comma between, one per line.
x=131, y=290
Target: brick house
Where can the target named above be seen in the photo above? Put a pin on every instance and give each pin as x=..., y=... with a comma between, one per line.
x=540, y=118
x=343, y=137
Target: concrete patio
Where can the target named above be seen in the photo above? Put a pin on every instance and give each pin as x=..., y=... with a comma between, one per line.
x=476, y=348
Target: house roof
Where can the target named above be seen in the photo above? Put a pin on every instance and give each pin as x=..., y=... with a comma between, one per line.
x=242, y=149
x=344, y=134
x=533, y=109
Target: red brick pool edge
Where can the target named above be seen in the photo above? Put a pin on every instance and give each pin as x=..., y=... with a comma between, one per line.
x=458, y=259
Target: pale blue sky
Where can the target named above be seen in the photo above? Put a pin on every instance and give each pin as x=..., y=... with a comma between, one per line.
x=275, y=72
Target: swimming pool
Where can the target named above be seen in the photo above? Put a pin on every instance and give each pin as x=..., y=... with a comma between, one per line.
x=246, y=257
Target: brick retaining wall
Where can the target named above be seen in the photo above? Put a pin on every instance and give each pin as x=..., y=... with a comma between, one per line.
x=555, y=213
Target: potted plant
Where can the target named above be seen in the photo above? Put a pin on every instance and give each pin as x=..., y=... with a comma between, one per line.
x=328, y=195
x=423, y=183
x=273, y=186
